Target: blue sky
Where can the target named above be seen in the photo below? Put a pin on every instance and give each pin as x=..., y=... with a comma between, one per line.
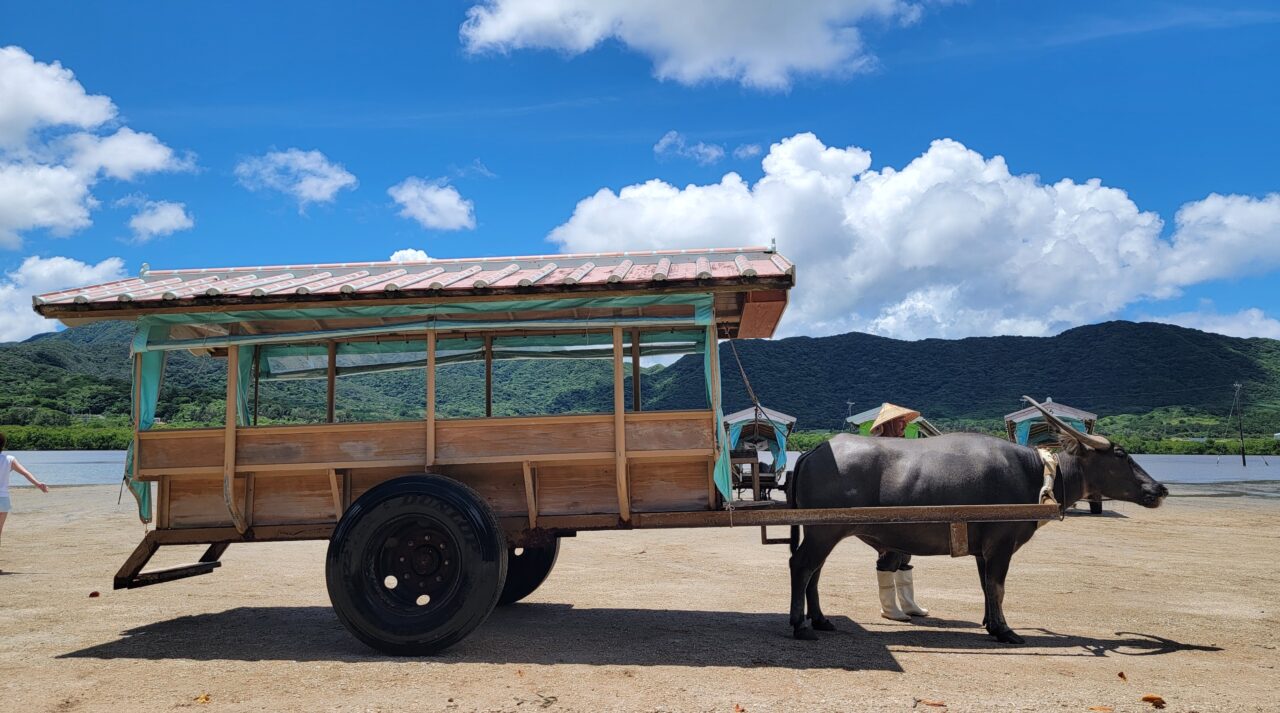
x=1167, y=102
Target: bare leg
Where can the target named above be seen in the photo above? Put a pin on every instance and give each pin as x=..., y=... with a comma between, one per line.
x=3, y=515
x=814, y=548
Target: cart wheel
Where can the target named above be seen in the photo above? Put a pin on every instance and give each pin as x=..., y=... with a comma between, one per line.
x=415, y=565
x=527, y=569
x=1095, y=507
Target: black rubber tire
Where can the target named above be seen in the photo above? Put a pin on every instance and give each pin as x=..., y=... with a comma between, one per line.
x=373, y=549
x=528, y=570
x=1095, y=507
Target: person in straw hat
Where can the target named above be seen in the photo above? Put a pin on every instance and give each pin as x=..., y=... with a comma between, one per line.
x=893, y=569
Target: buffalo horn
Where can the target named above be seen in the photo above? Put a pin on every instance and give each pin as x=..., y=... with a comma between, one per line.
x=1097, y=443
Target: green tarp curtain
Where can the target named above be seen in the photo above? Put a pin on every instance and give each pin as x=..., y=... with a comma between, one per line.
x=146, y=394
x=147, y=340
x=723, y=475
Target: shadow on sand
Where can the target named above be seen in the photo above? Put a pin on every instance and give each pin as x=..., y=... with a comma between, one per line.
x=560, y=633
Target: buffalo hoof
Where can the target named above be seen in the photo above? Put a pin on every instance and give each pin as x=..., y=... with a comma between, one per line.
x=1008, y=637
x=823, y=624
x=804, y=633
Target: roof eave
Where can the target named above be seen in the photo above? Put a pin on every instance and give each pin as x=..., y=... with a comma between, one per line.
x=89, y=311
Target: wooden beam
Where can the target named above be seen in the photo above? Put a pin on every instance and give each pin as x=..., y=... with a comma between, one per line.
x=488, y=375
x=530, y=495
x=337, y=493
x=620, y=429
x=229, y=442
x=431, y=399
x=332, y=381
x=248, y=499
x=635, y=370
x=959, y=539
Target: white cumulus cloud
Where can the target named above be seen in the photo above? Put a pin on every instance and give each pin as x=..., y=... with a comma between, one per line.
x=1251, y=322
x=758, y=43
x=35, y=95
x=38, y=275
x=159, y=218
x=306, y=176
x=674, y=144
x=952, y=244
x=409, y=255
x=433, y=204
x=56, y=144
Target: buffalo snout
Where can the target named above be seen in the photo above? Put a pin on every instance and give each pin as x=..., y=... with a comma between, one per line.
x=1153, y=495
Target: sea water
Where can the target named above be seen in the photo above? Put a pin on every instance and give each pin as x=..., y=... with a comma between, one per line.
x=1204, y=475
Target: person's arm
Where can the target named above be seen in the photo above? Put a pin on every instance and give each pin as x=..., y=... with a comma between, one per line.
x=27, y=474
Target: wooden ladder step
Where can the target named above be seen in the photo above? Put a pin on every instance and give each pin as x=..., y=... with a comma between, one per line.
x=169, y=574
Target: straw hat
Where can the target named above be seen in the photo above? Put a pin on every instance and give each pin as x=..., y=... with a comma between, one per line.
x=890, y=412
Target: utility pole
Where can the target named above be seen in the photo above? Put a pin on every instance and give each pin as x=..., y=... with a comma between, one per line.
x=1239, y=409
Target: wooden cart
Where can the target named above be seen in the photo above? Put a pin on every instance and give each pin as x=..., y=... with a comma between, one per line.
x=431, y=522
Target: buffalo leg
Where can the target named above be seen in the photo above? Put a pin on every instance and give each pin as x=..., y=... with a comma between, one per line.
x=808, y=559
x=819, y=621
x=982, y=579
x=997, y=568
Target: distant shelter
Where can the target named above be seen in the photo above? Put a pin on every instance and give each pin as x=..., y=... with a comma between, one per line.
x=1028, y=426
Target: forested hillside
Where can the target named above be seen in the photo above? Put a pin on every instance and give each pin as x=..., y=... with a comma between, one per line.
x=1168, y=381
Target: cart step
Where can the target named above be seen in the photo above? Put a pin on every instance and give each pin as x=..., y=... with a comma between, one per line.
x=131, y=575
x=169, y=574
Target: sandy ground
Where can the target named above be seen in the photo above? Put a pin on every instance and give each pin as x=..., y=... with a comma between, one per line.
x=1182, y=600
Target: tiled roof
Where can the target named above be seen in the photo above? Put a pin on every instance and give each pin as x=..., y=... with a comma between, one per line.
x=506, y=275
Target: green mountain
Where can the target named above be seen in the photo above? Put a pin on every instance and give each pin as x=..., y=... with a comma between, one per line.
x=1168, y=381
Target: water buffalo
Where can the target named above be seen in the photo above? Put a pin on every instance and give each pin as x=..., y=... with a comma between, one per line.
x=955, y=469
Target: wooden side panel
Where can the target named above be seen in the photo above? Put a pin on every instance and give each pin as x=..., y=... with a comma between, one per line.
x=187, y=448
x=501, y=484
x=197, y=501
x=579, y=488
x=669, y=486
x=364, y=478
x=292, y=498
x=371, y=442
x=461, y=440
x=658, y=431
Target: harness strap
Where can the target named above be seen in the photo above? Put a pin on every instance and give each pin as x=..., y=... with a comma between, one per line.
x=1050, y=460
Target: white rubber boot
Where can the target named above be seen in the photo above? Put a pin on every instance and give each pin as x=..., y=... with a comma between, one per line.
x=889, y=597
x=907, y=593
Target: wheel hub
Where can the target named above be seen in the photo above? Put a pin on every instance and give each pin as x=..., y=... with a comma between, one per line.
x=417, y=559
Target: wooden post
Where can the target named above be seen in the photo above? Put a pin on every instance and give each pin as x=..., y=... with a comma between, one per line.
x=333, y=381
x=229, y=441
x=635, y=370
x=488, y=376
x=530, y=495
x=620, y=428
x=257, y=366
x=431, y=398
